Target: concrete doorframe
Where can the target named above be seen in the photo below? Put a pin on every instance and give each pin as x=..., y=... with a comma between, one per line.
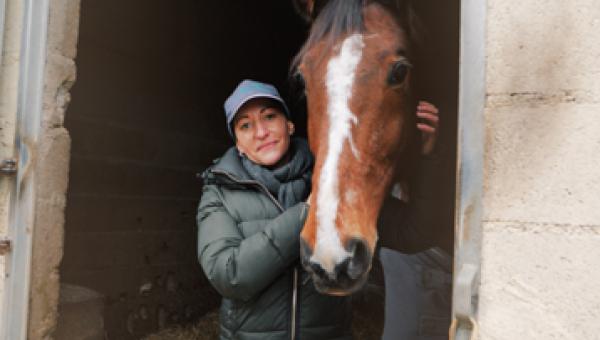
x=2, y=20
x=470, y=165
x=15, y=310
x=47, y=33
x=22, y=208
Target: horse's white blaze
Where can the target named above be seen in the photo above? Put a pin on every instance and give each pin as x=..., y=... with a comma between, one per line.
x=340, y=80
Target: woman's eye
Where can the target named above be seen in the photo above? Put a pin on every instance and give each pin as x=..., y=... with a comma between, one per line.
x=398, y=73
x=270, y=116
x=244, y=126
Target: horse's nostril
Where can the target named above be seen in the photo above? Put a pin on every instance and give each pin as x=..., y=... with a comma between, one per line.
x=360, y=260
x=317, y=269
x=341, y=269
x=305, y=254
x=349, y=273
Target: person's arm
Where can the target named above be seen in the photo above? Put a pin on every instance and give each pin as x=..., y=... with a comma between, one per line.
x=240, y=268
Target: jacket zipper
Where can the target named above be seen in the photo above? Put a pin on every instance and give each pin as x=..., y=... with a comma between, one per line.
x=295, y=276
x=294, y=303
x=260, y=185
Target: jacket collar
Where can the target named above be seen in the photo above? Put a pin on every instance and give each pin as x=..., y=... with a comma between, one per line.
x=229, y=163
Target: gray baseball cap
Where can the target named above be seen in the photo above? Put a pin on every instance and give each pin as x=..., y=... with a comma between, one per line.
x=247, y=90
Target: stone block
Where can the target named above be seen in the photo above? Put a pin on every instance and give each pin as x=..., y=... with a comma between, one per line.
x=539, y=281
x=63, y=27
x=59, y=78
x=541, y=164
x=116, y=177
x=540, y=46
x=51, y=164
x=80, y=314
x=121, y=214
x=95, y=251
x=124, y=282
x=103, y=138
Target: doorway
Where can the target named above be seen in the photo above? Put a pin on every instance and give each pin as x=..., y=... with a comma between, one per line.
x=146, y=116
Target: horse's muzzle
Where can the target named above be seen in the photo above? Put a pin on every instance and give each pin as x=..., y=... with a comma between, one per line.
x=348, y=275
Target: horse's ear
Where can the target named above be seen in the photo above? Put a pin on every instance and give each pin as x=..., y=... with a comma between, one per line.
x=309, y=9
x=305, y=8
x=411, y=21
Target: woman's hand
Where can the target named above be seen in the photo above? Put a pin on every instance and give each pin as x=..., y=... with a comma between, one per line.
x=428, y=122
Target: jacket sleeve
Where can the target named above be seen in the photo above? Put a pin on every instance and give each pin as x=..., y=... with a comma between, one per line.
x=241, y=267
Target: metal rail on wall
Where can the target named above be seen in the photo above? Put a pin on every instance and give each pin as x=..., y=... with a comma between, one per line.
x=14, y=314
x=471, y=142
x=2, y=20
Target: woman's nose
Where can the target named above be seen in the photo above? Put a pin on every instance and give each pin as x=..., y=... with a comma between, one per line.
x=261, y=131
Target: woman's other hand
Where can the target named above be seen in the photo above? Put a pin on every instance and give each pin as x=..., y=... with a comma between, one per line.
x=428, y=123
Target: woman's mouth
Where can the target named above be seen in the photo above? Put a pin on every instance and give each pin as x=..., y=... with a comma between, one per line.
x=266, y=146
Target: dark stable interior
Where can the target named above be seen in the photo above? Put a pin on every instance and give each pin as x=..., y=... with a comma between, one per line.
x=146, y=117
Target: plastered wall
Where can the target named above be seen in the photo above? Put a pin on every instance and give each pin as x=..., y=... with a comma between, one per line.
x=541, y=230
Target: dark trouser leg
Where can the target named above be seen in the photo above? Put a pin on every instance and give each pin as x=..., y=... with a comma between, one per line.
x=418, y=292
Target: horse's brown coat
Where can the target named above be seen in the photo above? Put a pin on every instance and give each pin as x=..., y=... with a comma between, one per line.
x=385, y=122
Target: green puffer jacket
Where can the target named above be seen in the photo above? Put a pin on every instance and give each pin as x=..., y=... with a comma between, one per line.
x=249, y=250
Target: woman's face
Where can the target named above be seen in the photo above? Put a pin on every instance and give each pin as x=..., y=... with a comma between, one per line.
x=262, y=131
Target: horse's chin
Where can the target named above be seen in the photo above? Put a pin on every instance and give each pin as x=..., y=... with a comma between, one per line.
x=345, y=288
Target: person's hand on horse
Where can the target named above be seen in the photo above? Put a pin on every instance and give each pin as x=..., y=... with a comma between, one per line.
x=428, y=124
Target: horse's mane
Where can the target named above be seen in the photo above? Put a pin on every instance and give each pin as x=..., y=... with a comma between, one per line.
x=337, y=18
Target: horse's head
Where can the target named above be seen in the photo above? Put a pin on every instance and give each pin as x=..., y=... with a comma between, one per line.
x=356, y=70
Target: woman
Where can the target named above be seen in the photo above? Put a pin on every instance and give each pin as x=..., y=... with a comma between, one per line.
x=249, y=220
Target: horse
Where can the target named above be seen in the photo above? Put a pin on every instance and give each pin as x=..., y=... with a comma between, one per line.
x=356, y=70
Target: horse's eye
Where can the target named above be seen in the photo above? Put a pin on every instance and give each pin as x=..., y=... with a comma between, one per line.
x=398, y=73
x=299, y=82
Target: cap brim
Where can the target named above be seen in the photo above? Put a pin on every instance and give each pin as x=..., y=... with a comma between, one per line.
x=260, y=95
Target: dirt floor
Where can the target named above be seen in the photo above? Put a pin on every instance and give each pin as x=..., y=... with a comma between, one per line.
x=367, y=324
x=367, y=316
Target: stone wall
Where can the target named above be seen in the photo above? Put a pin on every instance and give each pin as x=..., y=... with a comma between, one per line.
x=541, y=230
x=52, y=167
